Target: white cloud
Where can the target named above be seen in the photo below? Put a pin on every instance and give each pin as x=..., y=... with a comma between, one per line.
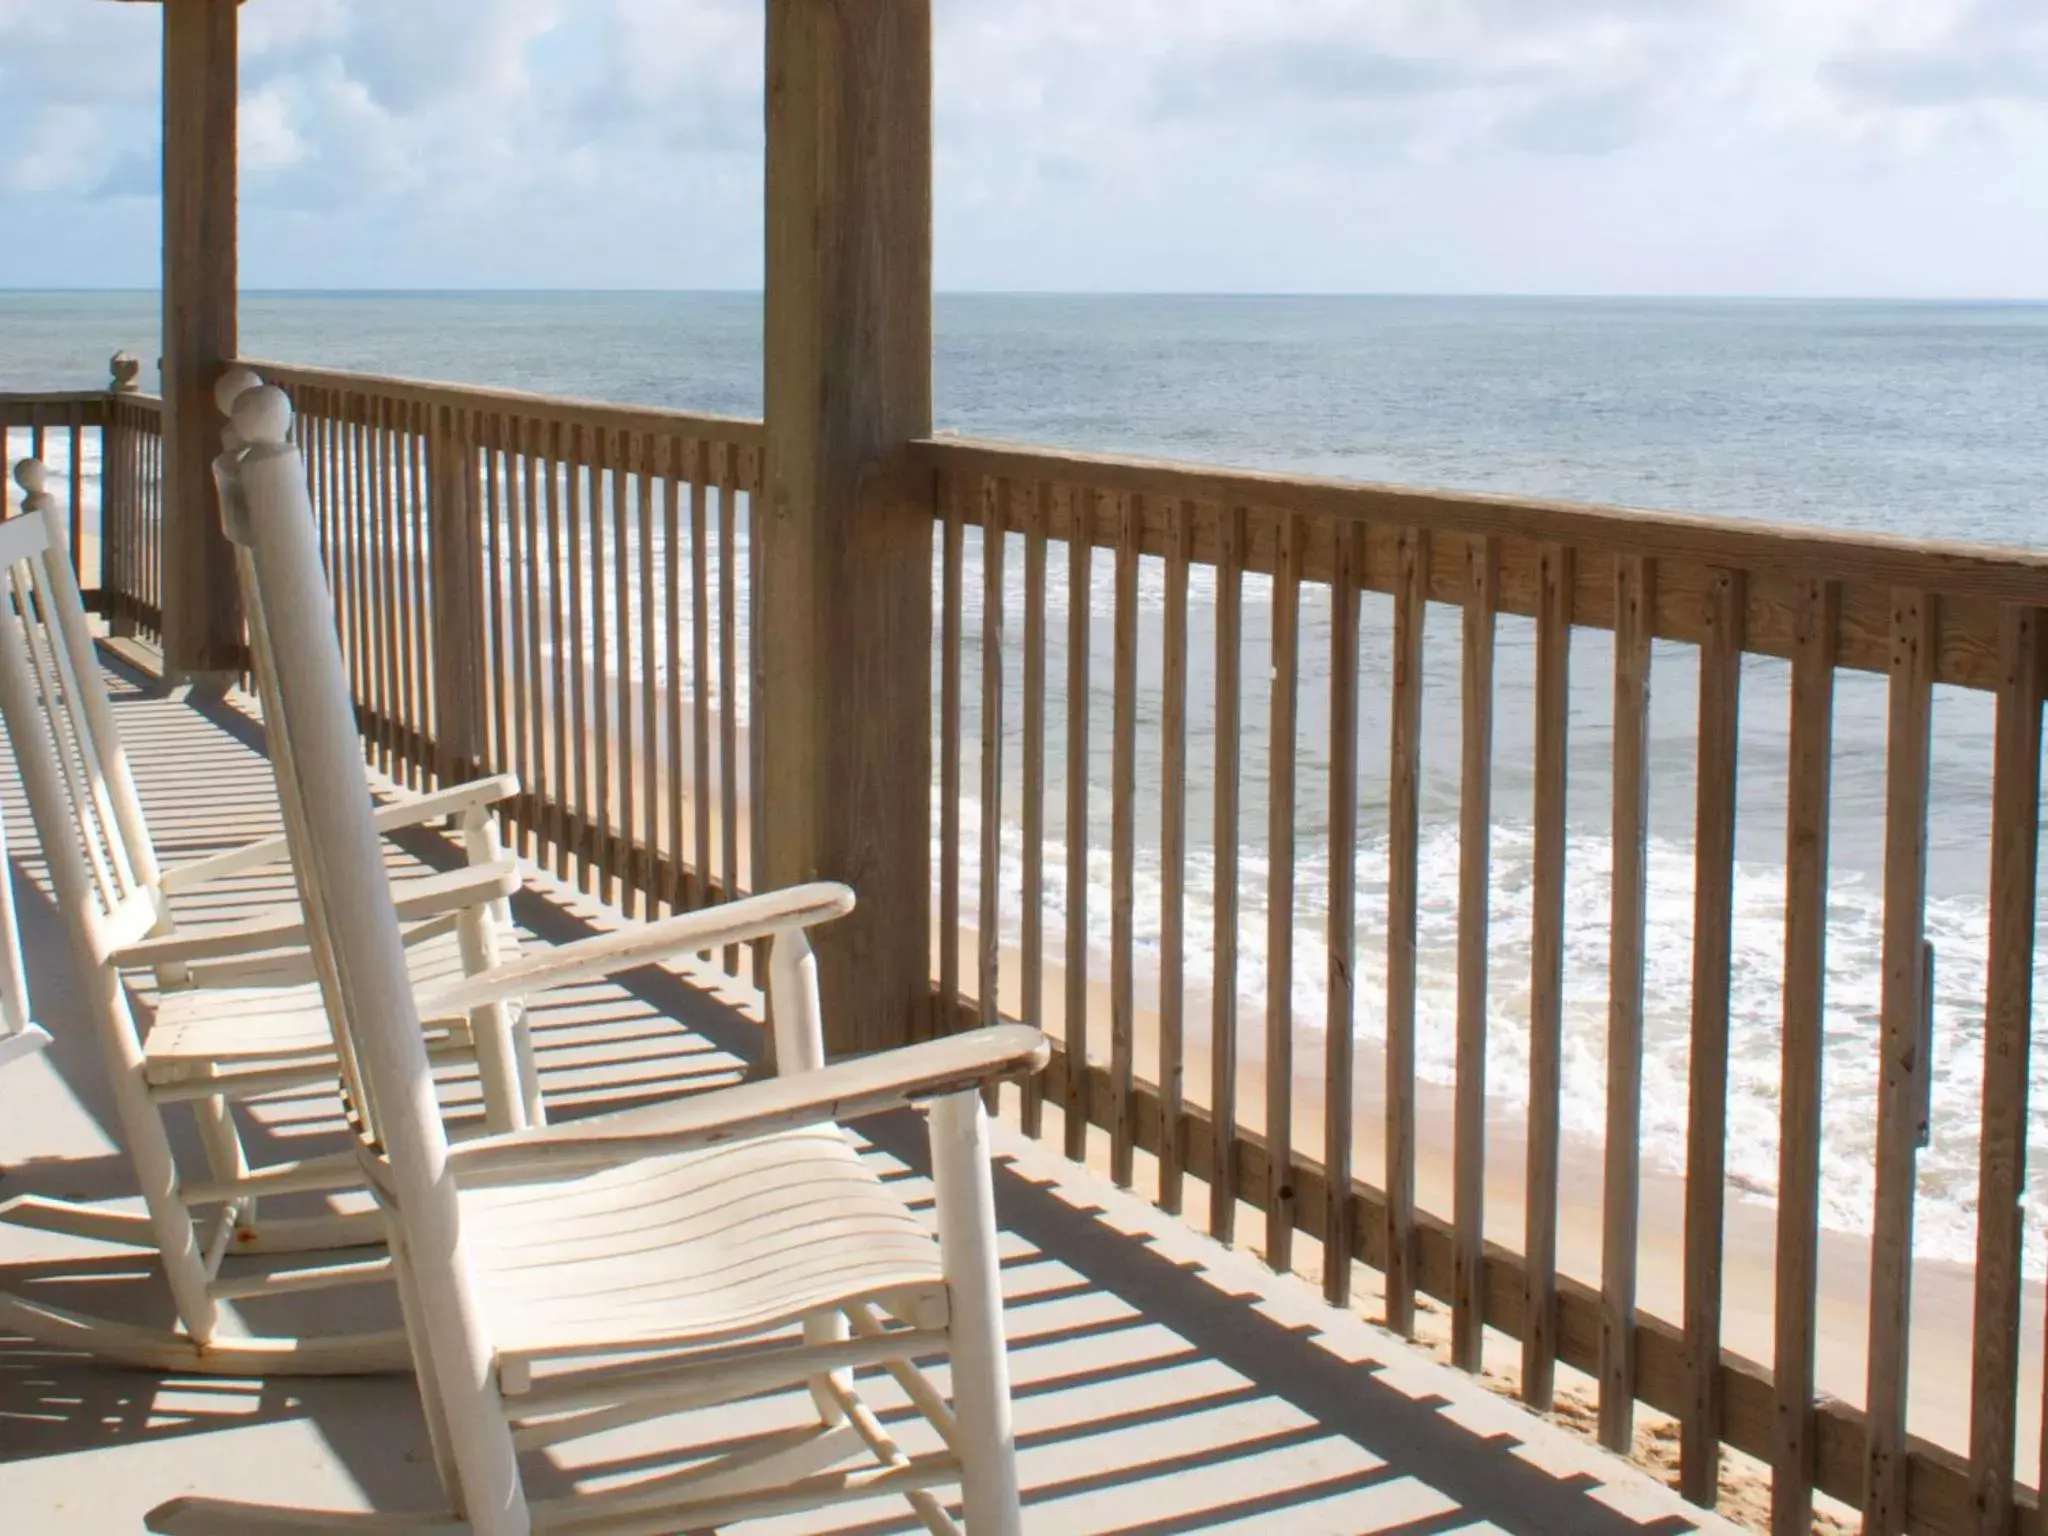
x=1880, y=145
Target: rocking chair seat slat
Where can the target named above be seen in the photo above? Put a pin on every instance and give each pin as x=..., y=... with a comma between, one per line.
x=694, y=1247
x=200, y=1032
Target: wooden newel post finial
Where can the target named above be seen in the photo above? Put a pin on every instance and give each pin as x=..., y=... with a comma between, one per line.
x=126, y=369
x=32, y=476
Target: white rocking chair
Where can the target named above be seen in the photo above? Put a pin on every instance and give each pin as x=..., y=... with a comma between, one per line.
x=213, y=1036
x=756, y=1251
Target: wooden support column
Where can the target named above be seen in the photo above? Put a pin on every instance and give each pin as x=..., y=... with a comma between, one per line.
x=457, y=622
x=202, y=613
x=846, y=600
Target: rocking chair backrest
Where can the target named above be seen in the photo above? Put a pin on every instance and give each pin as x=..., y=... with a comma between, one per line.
x=354, y=929
x=87, y=814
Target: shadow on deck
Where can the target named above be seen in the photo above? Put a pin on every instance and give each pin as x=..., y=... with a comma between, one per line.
x=1163, y=1384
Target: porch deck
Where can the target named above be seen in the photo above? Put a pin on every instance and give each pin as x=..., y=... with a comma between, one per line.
x=1163, y=1383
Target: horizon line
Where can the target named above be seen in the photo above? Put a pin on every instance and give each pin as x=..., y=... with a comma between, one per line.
x=1557, y=295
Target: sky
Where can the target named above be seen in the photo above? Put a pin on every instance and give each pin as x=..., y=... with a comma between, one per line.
x=1773, y=147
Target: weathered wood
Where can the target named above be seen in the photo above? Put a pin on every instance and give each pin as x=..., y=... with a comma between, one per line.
x=1032, y=912
x=566, y=714
x=2008, y=1027
x=1123, y=844
x=1080, y=550
x=1634, y=601
x=202, y=609
x=951, y=601
x=647, y=455
x=1223, y=900
x=847, y=543
x=1546, y=975
x=1809, y=777
x=989, y=920
x=729, y=681
x=1404, y=889
x=622, y=635
x=496, y=516
x=1904, y=1067
x=602, y=565
x=1173, y=859
x=678, y=482
x=569, y=412
x=700, y=675
x=458, y=596
x=1341, y=928
x=1706, y=1153
x=1977, y=571
x=1475, y=836
x=1280, y=790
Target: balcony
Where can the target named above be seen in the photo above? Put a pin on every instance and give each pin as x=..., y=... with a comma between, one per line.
x=1163, y=1383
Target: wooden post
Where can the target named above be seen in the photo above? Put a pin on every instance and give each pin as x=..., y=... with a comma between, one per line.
x=457, y=575
x=846, y=599
x=202, y=611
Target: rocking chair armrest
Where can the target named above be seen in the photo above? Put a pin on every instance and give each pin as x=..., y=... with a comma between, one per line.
x=395, y=817
x=432, y=895
x=846, y=1091
x=607, y=954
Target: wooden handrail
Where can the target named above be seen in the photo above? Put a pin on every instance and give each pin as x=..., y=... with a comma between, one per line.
x=512, y=402
x=1971, y=581
x=1953, y=568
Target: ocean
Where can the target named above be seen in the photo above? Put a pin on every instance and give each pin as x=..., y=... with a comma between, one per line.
x=1916, y=419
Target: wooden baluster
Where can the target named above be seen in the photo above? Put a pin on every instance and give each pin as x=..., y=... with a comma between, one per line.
x=729, y=685
x=1173, y=857
x=1341, y=931
x=757, y=675
x=648, y=458
x=1223, y=1165
x=526, y=701
x=1902, y=1091
x=359, y=560
x=995, y=496
x=409, y=534
x=1546, y=975
x=1031, y=912
x=619, y=834
x=1475, y=840
x=420, y=629
x=76, y=467
x=951, y=601
x=1280, y=896
x=2008, y=1027
x=700, y=650
x=598, y=809
x=564, y=707
x=497, y=515
x=1635, y=610
x=1123, y=821
x=675, y=848
x=1816, y=620
x=1712, y=956
x=392, y=616
x=578, y=791
x=1404, y=851
x=1080, y=556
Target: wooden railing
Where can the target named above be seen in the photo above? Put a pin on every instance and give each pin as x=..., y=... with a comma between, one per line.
x=1193, y=736
x=1220, y=1088
x=102, y=449
x=552, y=589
